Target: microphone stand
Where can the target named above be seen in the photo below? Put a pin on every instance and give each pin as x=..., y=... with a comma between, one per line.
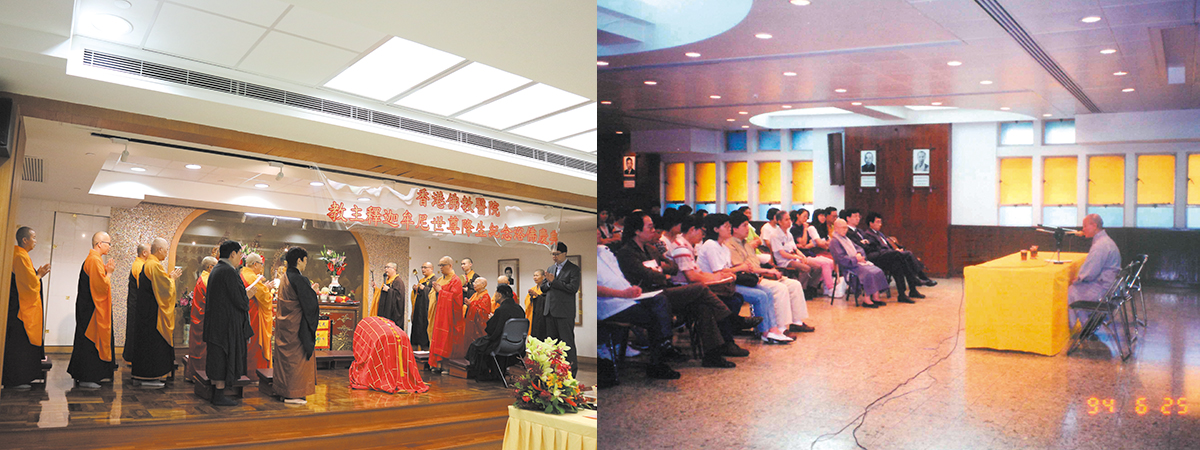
x=1059, y=233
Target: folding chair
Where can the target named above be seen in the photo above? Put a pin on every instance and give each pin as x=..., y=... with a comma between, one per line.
x=512, y=343
x=1135, y=286
x=1104, y=312
x=853, y=285
x=617, y=341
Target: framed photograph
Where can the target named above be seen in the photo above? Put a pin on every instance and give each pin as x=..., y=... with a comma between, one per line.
x=512, y=269
x=578, y=261
x=868, y=162
x=629, y=166
x=921, y=160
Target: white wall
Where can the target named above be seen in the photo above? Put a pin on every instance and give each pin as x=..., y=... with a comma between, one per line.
x=39, y=215
x=975, y=174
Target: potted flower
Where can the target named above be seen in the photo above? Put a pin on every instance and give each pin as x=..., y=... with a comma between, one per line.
x=546, y=383
x=335, y=263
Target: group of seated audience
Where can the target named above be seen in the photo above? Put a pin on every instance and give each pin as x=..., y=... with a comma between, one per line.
x=701, y=268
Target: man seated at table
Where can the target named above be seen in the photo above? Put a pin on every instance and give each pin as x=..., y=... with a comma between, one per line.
x=1099, y=270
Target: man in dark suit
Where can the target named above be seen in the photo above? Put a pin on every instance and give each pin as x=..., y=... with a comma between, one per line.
x=562, y=284
x=901, y=264
x=868, y=163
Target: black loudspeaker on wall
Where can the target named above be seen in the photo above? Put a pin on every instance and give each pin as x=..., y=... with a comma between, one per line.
x=7, y=127
x=837, y=171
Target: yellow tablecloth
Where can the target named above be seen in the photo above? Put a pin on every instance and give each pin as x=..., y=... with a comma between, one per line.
x=1020, y=305
x=535, y=431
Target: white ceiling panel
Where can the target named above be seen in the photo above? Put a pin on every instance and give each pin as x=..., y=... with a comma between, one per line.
x=51, y=16
x=585, y=142
x=333, y=31
x=392, y=68
x=259, y=12
x=202, y=36
x=946, y=11
x=295, y=59
x=561, y=125
x=1042, y=7
x=1057, y=22
x=462, y=89
x=1072, y=39
x=140, y=15
x=1151, y=13
x=976, y=29
x=522, y=106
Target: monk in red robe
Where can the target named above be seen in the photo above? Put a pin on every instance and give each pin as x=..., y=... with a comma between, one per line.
x=197, y=349
x=478, y=311
x=448, y=317
x=262, y=316
x=92, y=353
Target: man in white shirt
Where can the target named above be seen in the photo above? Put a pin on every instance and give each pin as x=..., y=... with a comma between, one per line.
x=785, y=253
x=792, y=312
x=617, y=301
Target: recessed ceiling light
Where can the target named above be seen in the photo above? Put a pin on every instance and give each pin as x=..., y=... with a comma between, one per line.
x=137, y=169
x=840, y=90
x=522, y=106
x=986, y=82
x=730, y=120
x=649, y=83
x=763, y=36
x=605, y=102
x=800, y=2
x=927, y=107
x=462, y=89
x=692, y=55
x=1090, y=19
x=714, y=97
x=1047, y=115
x=1108, y=51
x=620, y=132
x=1004, y=108
x=316, y=184
x=364, y=199
x=601, y=63
x=1127, y=90
x=789, y=74
x=585, y=142
x=1120, y=74
x=560, y=125
x=743, y=112
x=90, y=154
x=936, y=103
x=745, y=126
x=123, y=4
x=193, y=166
x=856, y=103
x=394, y=67
x=787, y=106
x=954, y=63
x=262, y=185
x=111, y=25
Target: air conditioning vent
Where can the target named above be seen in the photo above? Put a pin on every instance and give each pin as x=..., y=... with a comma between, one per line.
x=201, y=80
x=33, y=170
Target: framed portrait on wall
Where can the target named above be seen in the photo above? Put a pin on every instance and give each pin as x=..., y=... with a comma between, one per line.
x=921, y=160
x=868, y=162
x=578, y=261
x=629, y=166
x=512, y=269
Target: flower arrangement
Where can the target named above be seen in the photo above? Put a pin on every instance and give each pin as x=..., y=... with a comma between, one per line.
x=335, y=262
x=546, y=384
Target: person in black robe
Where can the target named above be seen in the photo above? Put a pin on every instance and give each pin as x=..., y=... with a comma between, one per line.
x=155, y=356
x=479, y=354
x=130, y=350
x=23, y=350
x=422, y=290
x=391, y=296
x=469, y=277
x=91, y=354
x=227, y=322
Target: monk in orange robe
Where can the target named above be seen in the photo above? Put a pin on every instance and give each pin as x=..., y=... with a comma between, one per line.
x=155, y=327
x=448, y=320
x=23, y=350
x=92, y=354
x=197, y=349
x=262, y=316
x=478, y=311
x=534, y=300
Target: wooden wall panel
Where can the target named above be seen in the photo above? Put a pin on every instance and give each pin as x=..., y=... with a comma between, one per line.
x=1174, y=255
x=918, y=217
x=610, y=177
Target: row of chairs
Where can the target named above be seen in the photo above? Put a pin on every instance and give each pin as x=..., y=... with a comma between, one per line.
x=1117, y=311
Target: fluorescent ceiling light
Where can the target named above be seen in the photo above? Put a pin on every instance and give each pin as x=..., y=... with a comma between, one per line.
x=316, y=184
x=262, y=185
x=193, y=166
x=560, y=125
x=137, y=169
x=522, y=106
x=466, y=87
x=585, y=142
x=822, y=111
x=394, y=67
x=928, y=108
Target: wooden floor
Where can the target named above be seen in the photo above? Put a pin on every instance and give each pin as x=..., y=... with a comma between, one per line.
x=454, y=413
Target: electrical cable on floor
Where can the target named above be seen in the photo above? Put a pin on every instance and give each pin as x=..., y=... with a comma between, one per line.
x=862, y=418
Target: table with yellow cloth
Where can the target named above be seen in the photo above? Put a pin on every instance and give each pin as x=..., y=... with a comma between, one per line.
x=537, y=430
x=1020, y=305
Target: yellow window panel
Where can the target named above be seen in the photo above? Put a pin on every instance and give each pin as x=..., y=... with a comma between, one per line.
x=1016, y=179
x=1156, y=179
x=1194, y=179
x=1060, y=178
x=706, y=182
x=1106, y=180
x=770, y=189
x=802, y=184
x=735, y=182
x=676, y=183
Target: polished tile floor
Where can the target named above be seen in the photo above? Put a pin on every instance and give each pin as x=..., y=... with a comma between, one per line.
x=61, y=404
x=816, y=390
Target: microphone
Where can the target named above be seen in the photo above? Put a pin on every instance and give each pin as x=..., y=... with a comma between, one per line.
x=1056, y=230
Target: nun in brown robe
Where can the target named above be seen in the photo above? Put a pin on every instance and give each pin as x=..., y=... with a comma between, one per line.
x=296, y=333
